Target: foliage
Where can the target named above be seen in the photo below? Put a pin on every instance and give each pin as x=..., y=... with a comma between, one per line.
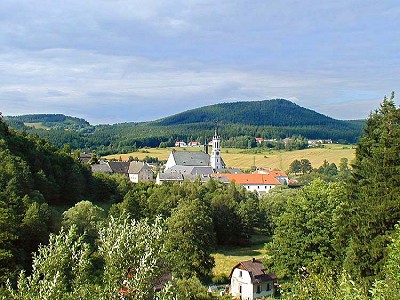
x=270, y=119
x=305, y=230
x=132, y=251
x=60, y=270
x=190, y=240
x=368, y=217
x=86, y=217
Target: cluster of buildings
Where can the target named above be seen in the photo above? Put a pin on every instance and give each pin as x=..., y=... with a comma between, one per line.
x=196, y=165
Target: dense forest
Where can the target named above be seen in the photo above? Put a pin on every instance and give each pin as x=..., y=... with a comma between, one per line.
x=239, y=124
x=104, y=237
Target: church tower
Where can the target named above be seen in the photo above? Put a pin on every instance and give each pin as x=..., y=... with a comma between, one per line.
x=215, y=158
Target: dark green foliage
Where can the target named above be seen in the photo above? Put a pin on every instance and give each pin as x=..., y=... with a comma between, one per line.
x=305, y=231
x=368, y=218
x=240, y=123
x=190, y=240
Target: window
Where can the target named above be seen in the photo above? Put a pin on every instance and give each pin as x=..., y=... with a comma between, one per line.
x=240, y=289
x=240, y=273
x=268, y=286
x=258, y=289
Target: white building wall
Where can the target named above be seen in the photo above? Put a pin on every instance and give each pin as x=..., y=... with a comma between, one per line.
x=243, y=281
x=259, y=188
x=134, y=178
x=170, y=162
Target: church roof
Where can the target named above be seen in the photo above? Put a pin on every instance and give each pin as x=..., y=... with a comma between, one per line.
x=193, y=170
x=191, y=158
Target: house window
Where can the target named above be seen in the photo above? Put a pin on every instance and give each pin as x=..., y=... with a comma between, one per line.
x=268, y=286
x=258, y=289
x=240, y=289
x=240, y=273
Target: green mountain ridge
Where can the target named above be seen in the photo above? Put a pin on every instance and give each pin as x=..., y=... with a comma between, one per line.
x=275, y=112
x=276, y=118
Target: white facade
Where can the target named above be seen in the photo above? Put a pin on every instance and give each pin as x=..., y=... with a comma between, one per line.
x=215, y=158
x=259, y=188
x=171, y=161
x=243, y=288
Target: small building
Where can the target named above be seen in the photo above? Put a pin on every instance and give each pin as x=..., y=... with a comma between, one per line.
x=140, y=172
x=281, y=176
x=261, y=183
x=259, y=140
x=180, y=144
x=249, y=280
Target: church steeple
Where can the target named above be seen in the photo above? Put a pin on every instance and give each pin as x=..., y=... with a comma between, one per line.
x=215, y=158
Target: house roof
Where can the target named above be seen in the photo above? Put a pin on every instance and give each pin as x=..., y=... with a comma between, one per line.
x=102, y=167
x=278, y=173
x=194, y=170
x=170, y=176
x=251, y=178
x=119, y=166
x=256, y=270
x=136, y=166
x=191, y=158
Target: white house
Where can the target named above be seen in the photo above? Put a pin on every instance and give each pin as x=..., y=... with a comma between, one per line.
x=140, y=172
x=261, y=183
x=249, y=280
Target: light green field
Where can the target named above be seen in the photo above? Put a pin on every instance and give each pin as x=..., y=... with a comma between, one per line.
x=246, y=158
x=227, y=258
x=36, y=125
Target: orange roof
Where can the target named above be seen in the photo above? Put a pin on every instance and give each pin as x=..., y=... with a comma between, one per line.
x=251, y=178
x=277, y=173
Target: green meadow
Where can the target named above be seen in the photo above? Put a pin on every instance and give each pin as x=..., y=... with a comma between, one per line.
x=261, y=158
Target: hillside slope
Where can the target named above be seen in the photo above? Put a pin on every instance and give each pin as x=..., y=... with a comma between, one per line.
x=237, y=121
x=276, y=112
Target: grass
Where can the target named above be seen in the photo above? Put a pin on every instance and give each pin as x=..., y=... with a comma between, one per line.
x=262, y=158
x=226, y=257
x=36, y=125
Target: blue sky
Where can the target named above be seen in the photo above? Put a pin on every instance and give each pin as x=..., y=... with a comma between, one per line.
x=111, y=61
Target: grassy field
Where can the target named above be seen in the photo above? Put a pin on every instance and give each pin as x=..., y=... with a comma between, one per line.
x=36, y=125
x=226, y=257
x=245, y=158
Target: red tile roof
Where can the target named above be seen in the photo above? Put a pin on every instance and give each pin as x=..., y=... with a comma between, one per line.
x=244, y=179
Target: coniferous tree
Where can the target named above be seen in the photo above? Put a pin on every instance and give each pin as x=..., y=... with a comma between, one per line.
x=373, y=208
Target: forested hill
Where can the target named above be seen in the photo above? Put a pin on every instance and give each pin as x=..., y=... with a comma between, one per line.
x=239, y=124
x=276, y=112
x=47, y=121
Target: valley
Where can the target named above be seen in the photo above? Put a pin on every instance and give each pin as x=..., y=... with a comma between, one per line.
x=261, y=158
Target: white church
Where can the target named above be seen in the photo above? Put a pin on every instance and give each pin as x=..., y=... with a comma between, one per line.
x=189, y=165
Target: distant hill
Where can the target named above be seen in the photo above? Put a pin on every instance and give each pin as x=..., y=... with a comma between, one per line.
x=276, y=112
x=47, y=121
x=239, y=124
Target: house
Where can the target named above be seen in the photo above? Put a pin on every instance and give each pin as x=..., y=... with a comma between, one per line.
x=194, y=144
x=279, y=175
x=119, y=167
x=180, y=144
x=249, y=280
x=101, y=167
x=85, y=157
x=139, y=171
x=261, y=183
x=134, y=170
x=259, y=140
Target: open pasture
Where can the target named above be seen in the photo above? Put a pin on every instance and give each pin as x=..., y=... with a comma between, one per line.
x=261, y=158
